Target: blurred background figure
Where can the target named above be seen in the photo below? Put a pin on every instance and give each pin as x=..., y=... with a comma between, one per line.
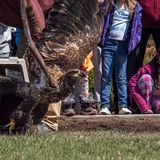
x=97, y=62
x=81, y=99
x=5, y=40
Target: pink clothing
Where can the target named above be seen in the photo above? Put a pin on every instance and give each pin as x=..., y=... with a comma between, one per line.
x=145, y=85
x=155, y=91
x=134, y=89
x=150, y=93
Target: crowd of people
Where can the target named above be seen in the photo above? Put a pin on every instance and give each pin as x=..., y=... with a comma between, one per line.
x=118, y=58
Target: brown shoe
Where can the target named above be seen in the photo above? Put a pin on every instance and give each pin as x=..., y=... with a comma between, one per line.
x=67, y=110
x=87, y=109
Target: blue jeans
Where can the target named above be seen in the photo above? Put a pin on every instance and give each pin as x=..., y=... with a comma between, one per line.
x=114, y=54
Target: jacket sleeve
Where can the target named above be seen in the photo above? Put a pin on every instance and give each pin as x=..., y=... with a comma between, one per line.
x=37, y=11
x=36, y=16
x=102, y=4
x=135, y=92
x=104, y=7
x=136, y=31
x=46, y=4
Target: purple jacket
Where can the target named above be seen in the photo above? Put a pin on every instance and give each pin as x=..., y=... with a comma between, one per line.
x=136, y=28
x=133, y=85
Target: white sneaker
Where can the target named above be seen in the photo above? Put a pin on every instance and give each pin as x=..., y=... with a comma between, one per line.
x=124, y=110
x=104, y=111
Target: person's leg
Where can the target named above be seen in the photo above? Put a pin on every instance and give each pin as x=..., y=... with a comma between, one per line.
x=86, y=99
x=97, y=62
x=135, y=59
x=114, y=107
x=121, y=78
x=84, y=85
x=76, y=98
x=156, y=37
x=145, y=85
x=108, y=52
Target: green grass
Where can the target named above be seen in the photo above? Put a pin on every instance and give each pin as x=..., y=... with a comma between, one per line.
x=81, y=146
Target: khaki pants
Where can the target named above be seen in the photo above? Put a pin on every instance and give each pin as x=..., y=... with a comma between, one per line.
x=51, y=118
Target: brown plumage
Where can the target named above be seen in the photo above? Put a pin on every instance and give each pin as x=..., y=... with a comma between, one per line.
x=73, y=27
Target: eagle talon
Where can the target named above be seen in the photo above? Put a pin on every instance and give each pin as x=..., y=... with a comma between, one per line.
x=11, y=125
x=31, y=129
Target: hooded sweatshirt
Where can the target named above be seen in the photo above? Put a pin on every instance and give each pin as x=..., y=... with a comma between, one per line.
x=150, y=13
x=135, y=93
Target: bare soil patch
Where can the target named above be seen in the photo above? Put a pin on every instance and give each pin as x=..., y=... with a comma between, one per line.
x=133, y=123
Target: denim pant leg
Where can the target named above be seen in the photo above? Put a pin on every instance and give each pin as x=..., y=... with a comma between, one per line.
x=108, y=52
x=121, y=76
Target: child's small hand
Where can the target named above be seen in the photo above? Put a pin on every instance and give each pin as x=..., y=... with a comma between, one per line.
x=148, y=112
x=100, y=1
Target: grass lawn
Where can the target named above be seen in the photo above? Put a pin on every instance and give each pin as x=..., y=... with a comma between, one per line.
x=81, y=146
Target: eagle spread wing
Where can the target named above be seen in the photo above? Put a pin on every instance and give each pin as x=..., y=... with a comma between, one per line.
x=73, y=27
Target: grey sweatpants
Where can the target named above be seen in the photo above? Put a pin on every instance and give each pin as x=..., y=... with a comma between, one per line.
x=97, y=62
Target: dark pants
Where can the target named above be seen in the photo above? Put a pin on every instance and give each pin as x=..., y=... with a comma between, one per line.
x=135, y=59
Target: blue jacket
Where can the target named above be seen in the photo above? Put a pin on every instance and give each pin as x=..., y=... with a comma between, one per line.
x=134, y=36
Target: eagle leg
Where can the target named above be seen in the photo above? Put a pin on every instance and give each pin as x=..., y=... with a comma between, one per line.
x=22, y=111
x=11, y=125
x=30, y=127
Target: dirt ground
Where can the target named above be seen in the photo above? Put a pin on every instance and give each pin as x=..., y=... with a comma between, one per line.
x=115, y=123
x=126, y=123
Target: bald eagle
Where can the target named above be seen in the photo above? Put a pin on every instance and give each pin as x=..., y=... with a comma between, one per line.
x=72, y=28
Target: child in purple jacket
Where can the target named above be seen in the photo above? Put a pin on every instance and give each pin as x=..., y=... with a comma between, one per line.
x=121, y=33
x=144, y=86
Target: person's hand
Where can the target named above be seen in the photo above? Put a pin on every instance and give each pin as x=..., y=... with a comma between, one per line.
x=149, y=111
x=100, y=1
